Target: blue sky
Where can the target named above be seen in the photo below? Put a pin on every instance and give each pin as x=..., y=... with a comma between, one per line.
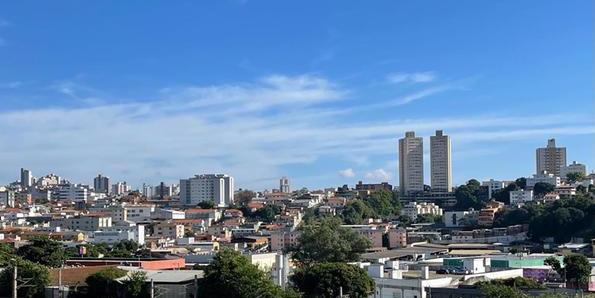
x=320, y=92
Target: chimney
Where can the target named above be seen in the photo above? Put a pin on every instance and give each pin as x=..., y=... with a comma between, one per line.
x=425, y=272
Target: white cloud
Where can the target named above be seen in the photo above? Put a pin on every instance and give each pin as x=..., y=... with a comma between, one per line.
x=379, y=174
x=347, y=173
x=250, y=130
x=415, y=77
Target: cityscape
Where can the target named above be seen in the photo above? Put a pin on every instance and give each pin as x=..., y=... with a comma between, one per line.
x=263, y=149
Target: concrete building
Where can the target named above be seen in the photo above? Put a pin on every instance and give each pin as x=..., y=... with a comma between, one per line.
x=82, y=223
x=168, y=229
x=280, y=240
x=284, y=185
x=440, y=162
x=147, y=190
x=455, y=219
x=139, y=212
x=494, y=186
x=120, y=188
x=117, y=233
x=397, y=238
x=216, y=187
x=48, y=181
x=101, y=184
x=544, y=177
x=26, y=178
x=574, y=167
x=520, y=196
x=551, y=158
x=163, y=191
x=411, y=164
x=72, y=192
x=413, y=209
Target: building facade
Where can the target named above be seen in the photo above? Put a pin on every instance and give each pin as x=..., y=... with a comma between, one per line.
x=440, y=162
x=215, y=187
x=411, y=164
x=551, y=158
x=101, y=184
x=284, y=185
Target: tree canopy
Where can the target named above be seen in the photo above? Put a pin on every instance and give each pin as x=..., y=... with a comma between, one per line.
x=103, y=284
x=542, y=188
x=232, y=275
x=38, y=276
x=325, y=280
x=43, y=250
x=327, y=241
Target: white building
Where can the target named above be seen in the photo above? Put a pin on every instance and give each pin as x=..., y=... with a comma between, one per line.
x=440, y=162
x=139, y=212
x=520, y=196
x=413, y=209
x=411, y=164
x=82, y=223
x=118, y=233
x=494, y=186
x=169, y=214
x=543, y=177
x=284, y=185
x=120, y=188
x=48, y=181
x=168, y=229
x=551, y=158
x=215, y=187
x=574, y=167
x=72, y=192
x=453, y=219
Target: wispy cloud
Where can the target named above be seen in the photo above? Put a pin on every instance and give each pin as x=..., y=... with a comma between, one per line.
x=11, y=85
x=378, y=174
x=251, y=130
x=414, y=77
x=347, y=173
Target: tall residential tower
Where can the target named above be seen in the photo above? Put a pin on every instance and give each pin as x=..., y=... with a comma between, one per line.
x=209, y=187
x=551, y=158
x=411, y=164
x=440, y=162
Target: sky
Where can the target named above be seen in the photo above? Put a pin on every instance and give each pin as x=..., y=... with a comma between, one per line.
x=317, y=91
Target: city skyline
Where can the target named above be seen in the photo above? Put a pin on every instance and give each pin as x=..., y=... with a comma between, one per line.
x=185, y=99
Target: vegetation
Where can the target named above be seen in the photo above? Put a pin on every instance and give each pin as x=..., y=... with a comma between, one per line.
x=266, y=213
x=542, y=188
x=561, y=219
x=576, y=269
x=243, y=197
x=37, y=275
x=517, y=282
x=232, y=275
x=206, y=204
x=325, y=280
x=469, y=196
x=380, y=204
x=136, y=285
x=103, y=283
x=327, y=241
x=44, y=251
x=575, y=177
x=501, y=291
x=428, y=218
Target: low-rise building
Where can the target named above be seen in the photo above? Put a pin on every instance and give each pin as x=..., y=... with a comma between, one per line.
x=168, y=229
x=543, y=177
x=413, y=209
x=82, y=223
x=519, y=197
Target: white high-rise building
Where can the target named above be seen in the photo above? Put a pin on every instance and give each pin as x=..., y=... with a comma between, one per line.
x=26, y=178
x=284, y=185
x=440, y=162
x=551, y=158
x=120, y=188
x=216, y=187
x=411, y=164
x=494, y=186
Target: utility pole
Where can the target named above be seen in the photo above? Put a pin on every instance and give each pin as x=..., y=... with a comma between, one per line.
x=195, y=286
x=152, y=289
x=14, y=282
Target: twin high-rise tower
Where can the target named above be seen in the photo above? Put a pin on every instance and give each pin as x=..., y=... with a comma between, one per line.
x=411, y=163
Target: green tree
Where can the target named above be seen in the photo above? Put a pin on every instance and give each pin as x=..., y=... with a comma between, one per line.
x=232, y=275
x=103, y=284
x=206, y=204
x=136, y=285
x=267, y=213
x=243, y=197
x=521, y=182
x=37, y=275
x=577, y=269
x=541, y=188
x=383, y=204
x=501, y=291
x=43, y=250
x=575, y=176
x=325, y=279
x=328, y=242
x=356, y=212
x=467, y=198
